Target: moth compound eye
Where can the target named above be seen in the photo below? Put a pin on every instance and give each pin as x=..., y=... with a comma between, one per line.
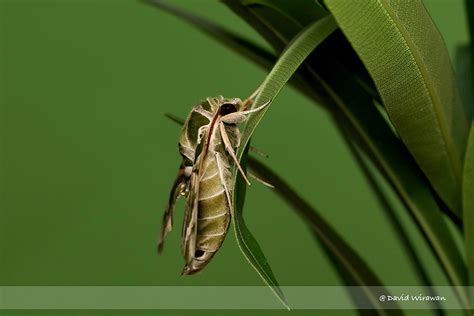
x=227, y=108
x=199, y=253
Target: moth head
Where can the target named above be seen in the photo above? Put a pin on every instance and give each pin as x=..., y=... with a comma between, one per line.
x=228, y=106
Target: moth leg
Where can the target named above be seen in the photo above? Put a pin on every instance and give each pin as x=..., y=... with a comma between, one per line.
x=257, y=109
x=178, y=189
x=258, y=179
x=230, y=150
x=247, y=103
x=188, y=241
x=240, y=117
x=220, y=169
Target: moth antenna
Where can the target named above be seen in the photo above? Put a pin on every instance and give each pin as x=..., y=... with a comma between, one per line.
x=231, y=152
x=258, y=151
x=175, y=118
x=248, y=102
x=258, y=179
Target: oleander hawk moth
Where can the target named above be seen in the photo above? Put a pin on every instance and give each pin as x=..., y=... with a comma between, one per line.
x=209, y=139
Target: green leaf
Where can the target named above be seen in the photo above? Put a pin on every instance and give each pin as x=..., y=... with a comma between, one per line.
x=414, y=77
x=340, y=252
x=468, y=206
x=305, y=10
x=286, y=65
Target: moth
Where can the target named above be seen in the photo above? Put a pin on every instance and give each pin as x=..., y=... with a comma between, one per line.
x=209, y=139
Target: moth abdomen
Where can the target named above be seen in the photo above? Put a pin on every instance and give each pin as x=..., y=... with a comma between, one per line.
x=213, y=213
x=213, y=218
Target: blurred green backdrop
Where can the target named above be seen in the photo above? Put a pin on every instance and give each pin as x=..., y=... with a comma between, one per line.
x=88, y=158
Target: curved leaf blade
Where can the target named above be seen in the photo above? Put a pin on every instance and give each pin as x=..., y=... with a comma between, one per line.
x=286, y=65
x=414, y=76
x=249, y=245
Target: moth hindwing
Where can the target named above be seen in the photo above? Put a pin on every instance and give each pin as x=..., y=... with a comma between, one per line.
x=207, y=144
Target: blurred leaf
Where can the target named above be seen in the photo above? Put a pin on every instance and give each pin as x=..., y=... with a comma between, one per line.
x=341, y=253
x=407, y=58
x=305, y=10
x=464, y=70
x=468, y=197
x=286, y=65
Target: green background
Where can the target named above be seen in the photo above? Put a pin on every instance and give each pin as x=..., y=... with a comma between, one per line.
x=88, y=158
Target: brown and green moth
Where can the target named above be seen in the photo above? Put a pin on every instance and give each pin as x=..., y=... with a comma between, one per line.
x=209, y=139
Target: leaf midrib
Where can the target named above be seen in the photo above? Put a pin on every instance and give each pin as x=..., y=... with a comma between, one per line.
x=455, y=164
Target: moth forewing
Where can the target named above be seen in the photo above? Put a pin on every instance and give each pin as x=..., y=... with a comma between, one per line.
x=190, y=219
x=177, y=190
